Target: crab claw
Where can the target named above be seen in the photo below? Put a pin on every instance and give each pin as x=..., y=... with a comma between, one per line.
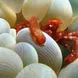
x=36, y=32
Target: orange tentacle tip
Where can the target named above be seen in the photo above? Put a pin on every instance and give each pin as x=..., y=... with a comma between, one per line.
x=36, y=32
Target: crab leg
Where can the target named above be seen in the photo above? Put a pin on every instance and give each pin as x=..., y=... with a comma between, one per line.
x=74, y=55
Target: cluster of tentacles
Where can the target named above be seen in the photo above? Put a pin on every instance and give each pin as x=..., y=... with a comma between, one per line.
x=63, y=37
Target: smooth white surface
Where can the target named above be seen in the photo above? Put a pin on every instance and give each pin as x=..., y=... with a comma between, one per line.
x=10, y=63
x=71, y=71
x=4, y=26
x=37, y=71
x=13, y=32
x=27, y=53
x=7, y=40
